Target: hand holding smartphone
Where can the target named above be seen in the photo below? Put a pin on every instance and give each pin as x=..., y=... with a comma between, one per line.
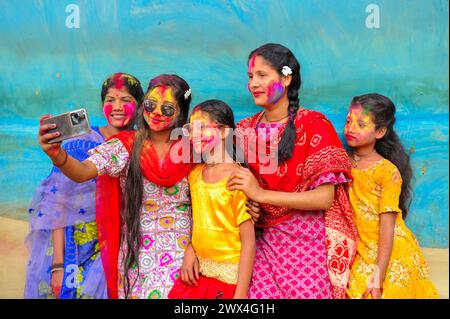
x=70, y=124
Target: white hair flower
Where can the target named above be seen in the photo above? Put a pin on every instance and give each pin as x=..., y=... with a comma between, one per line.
x=187, y=94
x=286, y=70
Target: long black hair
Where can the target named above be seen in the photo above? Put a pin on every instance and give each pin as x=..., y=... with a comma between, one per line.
x=132, y=85
x=222, y=114
x=278, y=56
x=389, y=146
x=134, y=181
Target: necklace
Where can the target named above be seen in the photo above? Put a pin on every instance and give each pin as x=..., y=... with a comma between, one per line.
x=358, y=158
x=272, y=121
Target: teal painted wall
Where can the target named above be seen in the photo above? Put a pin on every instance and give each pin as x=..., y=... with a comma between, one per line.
x=46, y=67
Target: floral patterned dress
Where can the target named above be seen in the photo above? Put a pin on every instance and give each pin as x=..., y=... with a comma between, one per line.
x=374, y=191
x=166, y=225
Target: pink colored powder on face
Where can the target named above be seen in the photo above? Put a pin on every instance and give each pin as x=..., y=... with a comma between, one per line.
x=275, y=91
x=107, y=109
x=118, y=81
x=129, y=109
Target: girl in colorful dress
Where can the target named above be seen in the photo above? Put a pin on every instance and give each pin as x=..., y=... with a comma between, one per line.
x=63, y=247
x=307, y=239
x=144, y=195
x=389, y=263
x=223, y=235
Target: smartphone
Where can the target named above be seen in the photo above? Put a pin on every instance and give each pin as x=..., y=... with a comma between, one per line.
x=70, y=124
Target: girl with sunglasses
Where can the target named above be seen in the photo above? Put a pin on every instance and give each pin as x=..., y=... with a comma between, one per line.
x=143, y=195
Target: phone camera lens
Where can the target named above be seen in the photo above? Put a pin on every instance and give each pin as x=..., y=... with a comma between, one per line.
x=76, y=118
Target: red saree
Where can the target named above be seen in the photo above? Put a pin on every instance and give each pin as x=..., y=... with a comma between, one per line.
x=317, y=150
x=109, y=201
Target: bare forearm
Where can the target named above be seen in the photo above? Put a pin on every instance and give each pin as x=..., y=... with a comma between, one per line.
x=246, y=262
x=385, y=242
x=320, y=198
x=58, y=238
x=74, y=169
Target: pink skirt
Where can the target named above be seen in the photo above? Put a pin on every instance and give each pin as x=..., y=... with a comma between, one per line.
x=291, y=260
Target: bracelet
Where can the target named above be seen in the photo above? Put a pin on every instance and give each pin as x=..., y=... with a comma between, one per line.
x=55, y=269
x=63, y=163
x=57, y=266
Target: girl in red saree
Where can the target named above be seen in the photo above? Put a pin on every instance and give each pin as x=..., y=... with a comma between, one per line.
x=299, y=172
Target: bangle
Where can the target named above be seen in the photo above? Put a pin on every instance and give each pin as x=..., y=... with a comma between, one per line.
x=55, y=269
x=59, y=265
x=63, y=163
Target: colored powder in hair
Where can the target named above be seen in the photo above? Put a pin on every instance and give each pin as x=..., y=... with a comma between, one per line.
x=195, y=109
x=275, y=91
x=251, y=63
x=162, y=89
x=365, y=108
x=118, y=81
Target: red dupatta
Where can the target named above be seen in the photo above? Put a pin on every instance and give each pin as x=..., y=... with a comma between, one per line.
x=317, y=150
x=109, y=201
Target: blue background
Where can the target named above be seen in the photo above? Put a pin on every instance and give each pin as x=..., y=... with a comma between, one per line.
x=46, y=67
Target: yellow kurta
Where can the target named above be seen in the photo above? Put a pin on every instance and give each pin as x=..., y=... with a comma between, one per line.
x=217, y=214
x=374, y=191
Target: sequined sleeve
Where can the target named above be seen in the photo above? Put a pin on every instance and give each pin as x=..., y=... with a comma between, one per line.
x=391, y=186
x=110, y=158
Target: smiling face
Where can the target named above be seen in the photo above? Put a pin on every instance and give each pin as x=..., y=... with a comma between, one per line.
x=265, y=84
x=161, y=111
x=359, y=128
x=204, y=133
x=119, y=107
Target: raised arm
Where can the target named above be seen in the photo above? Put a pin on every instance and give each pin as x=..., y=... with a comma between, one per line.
x=69, y=166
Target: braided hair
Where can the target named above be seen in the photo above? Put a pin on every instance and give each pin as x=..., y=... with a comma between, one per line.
x=279, y=56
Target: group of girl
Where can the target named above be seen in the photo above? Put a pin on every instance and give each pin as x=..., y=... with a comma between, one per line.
x=325, y=223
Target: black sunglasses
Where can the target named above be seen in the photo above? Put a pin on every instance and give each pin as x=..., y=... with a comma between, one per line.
x=166, y=109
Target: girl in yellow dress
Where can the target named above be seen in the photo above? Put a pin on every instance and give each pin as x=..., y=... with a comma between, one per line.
x=389, y=262
x=223, y=235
